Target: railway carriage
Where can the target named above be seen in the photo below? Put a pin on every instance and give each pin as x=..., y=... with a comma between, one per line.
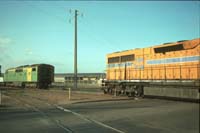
x=36, y=75
x=169, y=70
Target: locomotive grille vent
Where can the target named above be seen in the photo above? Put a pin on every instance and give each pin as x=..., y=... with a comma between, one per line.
x=113, y=60
x=123, y=58
x=169, y=48
x=127, y=58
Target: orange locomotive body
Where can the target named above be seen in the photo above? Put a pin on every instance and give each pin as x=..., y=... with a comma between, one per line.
x=168, y=64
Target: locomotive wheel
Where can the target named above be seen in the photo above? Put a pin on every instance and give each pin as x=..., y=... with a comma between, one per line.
x=23, y=85
x=104, y=91
x=139, y=92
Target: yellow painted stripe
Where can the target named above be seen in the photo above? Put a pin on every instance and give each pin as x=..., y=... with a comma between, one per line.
x=29, y=72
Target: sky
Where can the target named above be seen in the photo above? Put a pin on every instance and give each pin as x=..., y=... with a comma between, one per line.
x=43, y=31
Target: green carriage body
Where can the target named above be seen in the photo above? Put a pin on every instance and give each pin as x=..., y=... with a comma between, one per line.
x=38, y=74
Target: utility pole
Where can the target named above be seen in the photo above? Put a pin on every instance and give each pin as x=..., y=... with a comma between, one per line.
x=75, y=46
x=75, y=50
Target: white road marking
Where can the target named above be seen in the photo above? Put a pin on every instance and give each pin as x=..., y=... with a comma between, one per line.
x=90, y=120
x=61, y=126
x=104, y=125
x=69, y=111
x=48, y=104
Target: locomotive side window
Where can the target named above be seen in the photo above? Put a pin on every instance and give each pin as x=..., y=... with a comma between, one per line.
x=169, y=48
x=113, y=60
x=128, y=58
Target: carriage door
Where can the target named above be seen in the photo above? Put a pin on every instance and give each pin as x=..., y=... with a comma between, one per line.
x=29, y=70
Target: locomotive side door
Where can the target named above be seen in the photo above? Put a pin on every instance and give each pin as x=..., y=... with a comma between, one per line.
x=29, y=70
x=125, y=72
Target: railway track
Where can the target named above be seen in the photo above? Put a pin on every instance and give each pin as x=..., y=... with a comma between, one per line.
x=33, y=106
x=47, y=111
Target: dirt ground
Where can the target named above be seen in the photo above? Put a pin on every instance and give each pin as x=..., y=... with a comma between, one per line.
x=56, y=96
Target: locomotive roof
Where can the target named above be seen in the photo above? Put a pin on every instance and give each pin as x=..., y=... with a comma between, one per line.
x=24, y=66
x=160, y=45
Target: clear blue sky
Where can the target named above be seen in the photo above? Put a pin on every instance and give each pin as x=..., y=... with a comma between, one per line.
x=40, y=32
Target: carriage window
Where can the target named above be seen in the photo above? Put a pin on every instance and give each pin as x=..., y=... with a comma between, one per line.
x=128, y=58
x=19, y=70
x=169, y=48
x=113, y=60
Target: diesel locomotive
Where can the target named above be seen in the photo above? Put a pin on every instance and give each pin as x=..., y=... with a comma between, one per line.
x=36, y=75
x=165, y=70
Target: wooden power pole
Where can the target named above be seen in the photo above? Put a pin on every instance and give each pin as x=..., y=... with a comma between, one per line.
x=75, y=50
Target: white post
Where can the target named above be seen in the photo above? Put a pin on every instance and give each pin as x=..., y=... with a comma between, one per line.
x=69, y=93
x=115, y=92
x=0, y=96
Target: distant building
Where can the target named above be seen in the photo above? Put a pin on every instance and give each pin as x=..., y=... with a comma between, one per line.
x=81, y=77
x=59, y=77
x=85, y=77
